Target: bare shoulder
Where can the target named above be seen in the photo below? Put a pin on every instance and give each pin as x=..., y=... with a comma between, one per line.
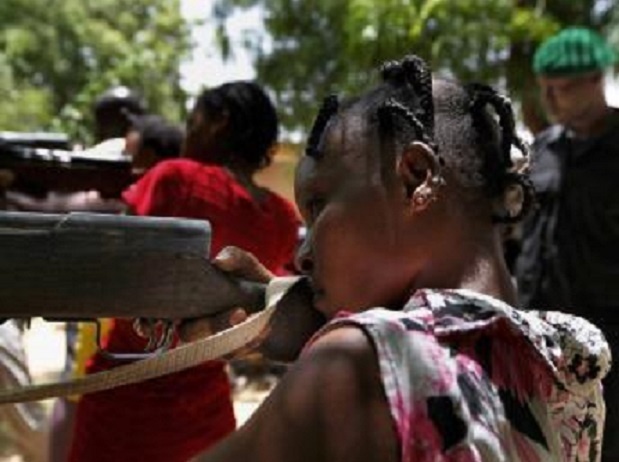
x=349, y=337
x=342, y=368
x=331, y=406
x=335, y=370
x=345, y=344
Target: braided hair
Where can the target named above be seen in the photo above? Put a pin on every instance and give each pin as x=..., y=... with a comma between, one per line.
x=473, y=145
x=403, y=104
x=252, y=126
x=478, y=131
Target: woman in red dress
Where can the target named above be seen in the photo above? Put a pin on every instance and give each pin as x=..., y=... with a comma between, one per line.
x=230, y=136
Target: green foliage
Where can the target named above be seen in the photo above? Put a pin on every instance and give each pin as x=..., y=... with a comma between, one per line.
x=57, y=57
x=318, y=47
x=22, y=106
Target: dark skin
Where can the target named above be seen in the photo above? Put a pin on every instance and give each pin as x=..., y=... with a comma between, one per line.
x=380, y=228
x=355, y=217
x=345, y=418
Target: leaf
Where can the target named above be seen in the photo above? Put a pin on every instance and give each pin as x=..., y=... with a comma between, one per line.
x=61, y=58
x=317, y=47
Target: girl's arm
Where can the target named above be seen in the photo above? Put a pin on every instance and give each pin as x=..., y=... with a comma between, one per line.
x=330, y=406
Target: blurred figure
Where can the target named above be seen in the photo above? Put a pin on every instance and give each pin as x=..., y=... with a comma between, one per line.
x=570, y=248
x=6, y=178
x=114, y=113
x=23, y=424
x=231, y=134
x=113, y=110
x=149, y=139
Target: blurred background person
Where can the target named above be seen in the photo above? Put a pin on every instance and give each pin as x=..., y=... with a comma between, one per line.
x=570, y=248
x=113, y=111
x=231, y=135
x=149, y=140
x=23, y=425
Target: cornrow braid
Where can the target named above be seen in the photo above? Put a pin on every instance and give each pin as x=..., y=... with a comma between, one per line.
x=413, y=71
x=329, y=107
x=528, y=198
x=497, y=166
x=422, y=83
x=392, y=107
x=412, y=74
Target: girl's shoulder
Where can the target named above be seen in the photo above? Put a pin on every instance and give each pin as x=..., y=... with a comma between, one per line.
x=460, y=349
x=560, y=340
x=565, y=349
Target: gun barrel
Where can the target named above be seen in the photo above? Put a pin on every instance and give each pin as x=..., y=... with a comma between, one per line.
x=41, y=166
x=87, y=266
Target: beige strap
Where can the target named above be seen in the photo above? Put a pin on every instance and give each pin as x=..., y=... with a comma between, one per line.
x=175, y=360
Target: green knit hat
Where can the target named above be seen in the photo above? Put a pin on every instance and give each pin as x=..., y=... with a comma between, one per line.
x=573, y=51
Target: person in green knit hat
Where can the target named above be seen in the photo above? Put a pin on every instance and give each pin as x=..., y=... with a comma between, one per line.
x=570, y=247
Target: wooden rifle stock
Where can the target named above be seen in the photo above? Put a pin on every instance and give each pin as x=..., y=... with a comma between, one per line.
x=85, y=266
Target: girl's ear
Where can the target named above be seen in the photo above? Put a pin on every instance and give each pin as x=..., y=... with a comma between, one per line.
x=419, y=170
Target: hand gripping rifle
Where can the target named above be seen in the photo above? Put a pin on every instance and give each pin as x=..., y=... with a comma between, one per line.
x=84, y=266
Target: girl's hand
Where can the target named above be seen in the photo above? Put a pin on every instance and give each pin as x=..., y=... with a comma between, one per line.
x=242, y=264
x=238, y=263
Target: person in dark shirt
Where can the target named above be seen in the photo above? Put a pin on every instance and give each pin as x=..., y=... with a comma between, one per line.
x=570, y=247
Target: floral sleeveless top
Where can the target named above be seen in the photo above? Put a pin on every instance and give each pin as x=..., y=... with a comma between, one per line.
x=469, y=378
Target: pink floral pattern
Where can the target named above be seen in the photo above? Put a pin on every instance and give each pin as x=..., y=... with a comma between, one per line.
x=469, y=378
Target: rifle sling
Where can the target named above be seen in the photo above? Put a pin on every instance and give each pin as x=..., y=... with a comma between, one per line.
x=171, y=361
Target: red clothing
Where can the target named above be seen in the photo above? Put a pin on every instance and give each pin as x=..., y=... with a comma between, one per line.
x=188, y=189
x=175, y=417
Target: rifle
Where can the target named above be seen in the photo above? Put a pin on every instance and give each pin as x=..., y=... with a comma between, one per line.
x=85, y=266
x=43, y=162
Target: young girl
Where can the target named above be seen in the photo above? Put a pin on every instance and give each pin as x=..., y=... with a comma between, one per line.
x=425, y=357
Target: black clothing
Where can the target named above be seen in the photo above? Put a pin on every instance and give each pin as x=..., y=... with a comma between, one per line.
x=570, y=247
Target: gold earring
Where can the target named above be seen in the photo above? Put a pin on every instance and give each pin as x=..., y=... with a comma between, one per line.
x=423, y=196
x=437, y=181
x=420, y=200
